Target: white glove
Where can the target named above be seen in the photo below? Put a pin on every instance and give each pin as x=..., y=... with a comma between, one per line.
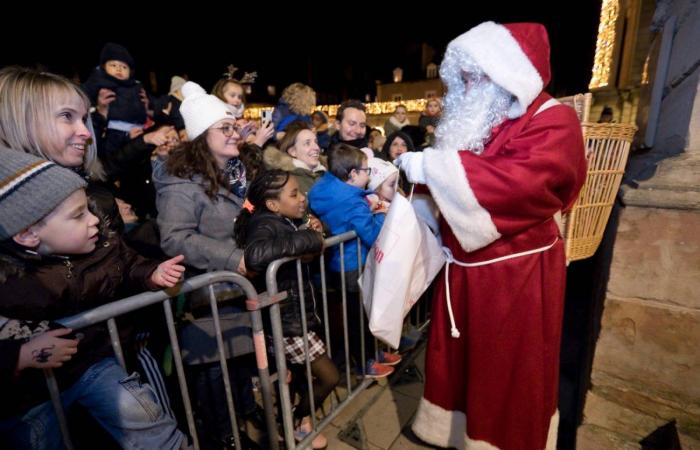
x=412, y=165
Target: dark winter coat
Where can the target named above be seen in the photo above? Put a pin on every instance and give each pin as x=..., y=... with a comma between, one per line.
x=271, y=237
x=194, y=225
x=357, y=143
x=174, y=118
x=127, y=106
x=71, y=284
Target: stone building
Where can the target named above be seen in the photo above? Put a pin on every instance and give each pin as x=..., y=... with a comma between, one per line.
x=646, y=364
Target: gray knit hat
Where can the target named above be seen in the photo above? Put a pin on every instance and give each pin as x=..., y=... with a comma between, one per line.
x=30, y=188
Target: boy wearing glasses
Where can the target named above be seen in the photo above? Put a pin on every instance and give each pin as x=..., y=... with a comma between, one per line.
x=338, y=199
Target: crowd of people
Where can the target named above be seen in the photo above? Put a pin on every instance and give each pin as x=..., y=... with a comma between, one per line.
x=106, y=192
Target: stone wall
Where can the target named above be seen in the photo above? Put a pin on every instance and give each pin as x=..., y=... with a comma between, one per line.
x=646, y=369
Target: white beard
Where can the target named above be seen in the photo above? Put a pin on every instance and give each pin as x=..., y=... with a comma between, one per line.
x=469, y=114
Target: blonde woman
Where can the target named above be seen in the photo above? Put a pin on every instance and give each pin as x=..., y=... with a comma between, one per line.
x=47, y=115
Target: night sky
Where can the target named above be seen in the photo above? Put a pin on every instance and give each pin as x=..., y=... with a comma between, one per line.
x=339, y=57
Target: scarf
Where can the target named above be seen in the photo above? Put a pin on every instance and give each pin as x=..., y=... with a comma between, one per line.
x=237, y=111
x=398, y=124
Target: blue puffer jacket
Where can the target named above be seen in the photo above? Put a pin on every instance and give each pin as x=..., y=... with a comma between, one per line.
x=342, y=208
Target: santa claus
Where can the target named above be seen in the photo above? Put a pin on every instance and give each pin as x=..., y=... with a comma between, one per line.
x=507, y=158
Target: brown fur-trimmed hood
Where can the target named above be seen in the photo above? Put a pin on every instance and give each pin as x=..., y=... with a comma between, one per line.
x=275, y=159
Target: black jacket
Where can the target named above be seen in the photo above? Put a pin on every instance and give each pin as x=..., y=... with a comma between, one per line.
x=358, y=143
x=130, y=165
x=127, y=105
x=271, y=237
x=55, y=287
x=174, y=118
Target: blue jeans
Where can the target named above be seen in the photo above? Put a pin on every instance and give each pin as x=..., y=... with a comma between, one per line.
x=124, y=406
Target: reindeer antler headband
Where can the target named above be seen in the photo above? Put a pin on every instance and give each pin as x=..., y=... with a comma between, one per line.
x=247, y=78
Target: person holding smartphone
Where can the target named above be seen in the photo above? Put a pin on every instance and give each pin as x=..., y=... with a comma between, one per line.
x=231, y=92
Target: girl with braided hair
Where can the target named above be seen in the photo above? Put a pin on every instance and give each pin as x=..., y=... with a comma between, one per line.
x=267, y=231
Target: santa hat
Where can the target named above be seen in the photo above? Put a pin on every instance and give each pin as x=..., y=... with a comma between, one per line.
x=515, y=56
x=381, y=170
x=201, y=110
x=116, y=52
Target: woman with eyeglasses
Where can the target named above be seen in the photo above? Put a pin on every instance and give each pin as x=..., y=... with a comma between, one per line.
x=200, y=190
x=201, y=186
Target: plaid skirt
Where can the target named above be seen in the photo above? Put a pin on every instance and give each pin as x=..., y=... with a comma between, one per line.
x=294, y=348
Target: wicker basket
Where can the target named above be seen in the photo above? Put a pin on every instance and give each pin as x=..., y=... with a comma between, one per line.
x=581, y=104
x=607, y=149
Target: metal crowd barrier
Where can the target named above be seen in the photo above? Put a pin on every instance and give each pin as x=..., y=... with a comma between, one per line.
x=255, y=303
x=109, y=311
x=418, y=320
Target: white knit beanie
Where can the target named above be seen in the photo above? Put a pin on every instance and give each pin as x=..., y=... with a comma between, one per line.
x=201, y=110
x=381, y=170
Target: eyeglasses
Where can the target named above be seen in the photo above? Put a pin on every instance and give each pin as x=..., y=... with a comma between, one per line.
x=368, y=169
x=228, y=129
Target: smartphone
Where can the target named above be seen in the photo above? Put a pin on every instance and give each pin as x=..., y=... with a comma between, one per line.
x=266, y=115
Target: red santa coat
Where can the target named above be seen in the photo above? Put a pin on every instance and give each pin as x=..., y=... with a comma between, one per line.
x=496, y=385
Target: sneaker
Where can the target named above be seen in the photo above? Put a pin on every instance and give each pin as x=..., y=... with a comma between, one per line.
x=320, y=442
x=389, y=359
x=377, y=370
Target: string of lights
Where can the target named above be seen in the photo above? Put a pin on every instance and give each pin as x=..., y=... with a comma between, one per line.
x=373, y=108
x=605, y=44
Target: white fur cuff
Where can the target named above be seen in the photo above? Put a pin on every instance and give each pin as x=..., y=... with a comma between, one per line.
x=449, y=186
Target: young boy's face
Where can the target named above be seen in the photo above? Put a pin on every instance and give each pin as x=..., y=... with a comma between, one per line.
x=118, y=69
x=70, y=229
x=360, y=177
x=387, y=189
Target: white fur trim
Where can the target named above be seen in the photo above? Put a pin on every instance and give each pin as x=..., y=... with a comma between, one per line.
x=302, y=165
x=444, y=428
x=438, y=426
x=394, y=121
x=497, y=52
x=448, y=183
